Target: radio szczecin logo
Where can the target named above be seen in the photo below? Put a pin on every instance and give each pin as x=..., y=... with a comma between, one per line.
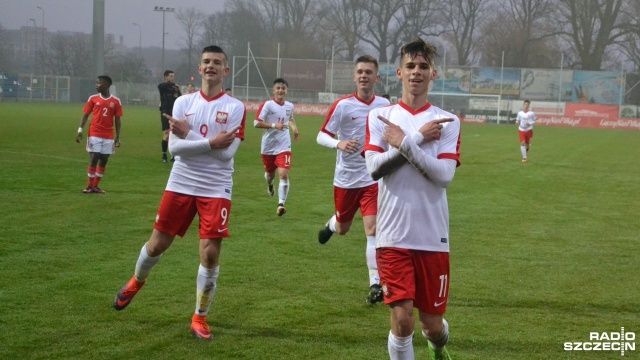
x=606, y=341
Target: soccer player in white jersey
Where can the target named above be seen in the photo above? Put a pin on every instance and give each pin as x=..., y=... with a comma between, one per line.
x=525, y=120
x=206, y=129
x=353, y=187
x=413, y=148
x=275, y=117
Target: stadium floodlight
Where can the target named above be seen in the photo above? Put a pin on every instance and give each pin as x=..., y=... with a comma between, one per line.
x=164, y=10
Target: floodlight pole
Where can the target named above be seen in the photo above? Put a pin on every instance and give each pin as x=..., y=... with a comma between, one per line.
x=139, y=38
x=164, y=11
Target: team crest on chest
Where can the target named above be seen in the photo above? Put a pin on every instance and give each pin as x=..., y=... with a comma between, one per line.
x=221, y=117
x=112, y=105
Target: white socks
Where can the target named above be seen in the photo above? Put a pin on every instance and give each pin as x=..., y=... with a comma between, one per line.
x=332, y=223
x=374, y=278
x=443, y=340
x=400, y=348
x=145, y=263
x=206, y=284
x=283, y=190
x=523, y=150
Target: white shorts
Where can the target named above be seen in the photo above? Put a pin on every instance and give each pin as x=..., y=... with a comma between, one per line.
x=100, y=145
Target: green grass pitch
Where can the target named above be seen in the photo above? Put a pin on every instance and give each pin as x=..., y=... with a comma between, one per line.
x=542, y=253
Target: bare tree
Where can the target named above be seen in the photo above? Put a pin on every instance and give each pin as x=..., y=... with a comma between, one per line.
x=465, y=19
x=69, y=55
x=191, y=21
x=343, y=21
x=382, y=25
x=128, y=67
x=593, y=26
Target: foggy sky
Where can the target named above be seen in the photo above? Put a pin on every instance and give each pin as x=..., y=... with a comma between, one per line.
x=77, y=15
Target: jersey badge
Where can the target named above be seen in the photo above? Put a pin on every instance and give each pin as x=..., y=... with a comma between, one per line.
x=221, y=117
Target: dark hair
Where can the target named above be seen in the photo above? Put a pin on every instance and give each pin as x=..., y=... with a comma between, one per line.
x=105, y=78
x=227, y=89
x=168, y=72
x=419, y=47
x=281, y=81
x=190, y=84
x=367, y=59
x=386, y=96
x=215, y=49
x=527, y=102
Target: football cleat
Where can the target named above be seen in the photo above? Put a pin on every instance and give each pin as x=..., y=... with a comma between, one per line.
x=324, y=234
x=375, y=294
x=270, y=190
x=126, y=294
x=88, y=190
x=97, y=190
x=524, y=160
x=200, y=328
x=440, y=354
x=173, y=159
x=281, y=210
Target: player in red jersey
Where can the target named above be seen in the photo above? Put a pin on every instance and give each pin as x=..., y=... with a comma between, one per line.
x=105, y=110
x=353, y=187
x=206, y=129
x=412, y=147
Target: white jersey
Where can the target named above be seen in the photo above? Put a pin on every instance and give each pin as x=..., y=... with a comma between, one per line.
x=275, y=141
x=202, y=174
x=526, y=120
x=347, y=118
x=413, y=211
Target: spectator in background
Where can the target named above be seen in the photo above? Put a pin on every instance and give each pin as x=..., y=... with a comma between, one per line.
x=189, y=89
x=169, y=92
x=228, y=91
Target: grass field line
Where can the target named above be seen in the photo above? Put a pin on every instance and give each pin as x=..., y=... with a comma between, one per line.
x=41, y=155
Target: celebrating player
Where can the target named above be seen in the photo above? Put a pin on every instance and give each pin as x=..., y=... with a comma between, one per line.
x=353, y=187
x=275, y=116
x=525, y=120
x=413, y=148
x=205, y=140
x=106, y=111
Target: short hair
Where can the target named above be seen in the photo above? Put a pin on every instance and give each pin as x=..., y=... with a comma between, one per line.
x=168, y=72
x=526, y=101
x=419, y=47
x=106, y=79
x=217, y=50
x=281, y=81
x=227, y=89
x=367, y=59
x=386, y=96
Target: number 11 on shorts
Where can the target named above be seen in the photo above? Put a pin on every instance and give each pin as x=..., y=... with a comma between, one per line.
x=444, y=280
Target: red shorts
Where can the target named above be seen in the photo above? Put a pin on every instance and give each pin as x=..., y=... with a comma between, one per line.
x=272, y=162
x=348, y=201
x=525, y=136
x=422, y=276
x=177, y=211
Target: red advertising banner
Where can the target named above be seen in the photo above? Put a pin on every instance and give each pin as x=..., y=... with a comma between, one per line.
x=299, y=109
x=623, y=124
x=591, y=111
x=577, y=115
